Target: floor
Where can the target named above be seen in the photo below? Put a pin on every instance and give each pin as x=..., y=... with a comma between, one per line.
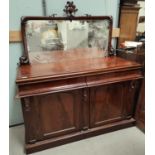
x=129, y=141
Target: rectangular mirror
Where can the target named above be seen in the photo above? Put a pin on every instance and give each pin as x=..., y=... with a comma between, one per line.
x=47, y=39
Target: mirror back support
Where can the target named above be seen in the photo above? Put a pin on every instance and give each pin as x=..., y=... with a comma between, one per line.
x=45, y=37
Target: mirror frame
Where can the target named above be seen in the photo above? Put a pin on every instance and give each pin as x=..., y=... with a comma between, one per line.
x=25, y=58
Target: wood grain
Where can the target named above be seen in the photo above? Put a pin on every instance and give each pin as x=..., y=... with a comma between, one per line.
x=71, y=67
x=112, y=102
x=15, y=36
x=128, y=23
x=69, y=100
x=140, y=111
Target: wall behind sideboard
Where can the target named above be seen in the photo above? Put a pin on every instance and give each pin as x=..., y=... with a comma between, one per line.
x=19, y=8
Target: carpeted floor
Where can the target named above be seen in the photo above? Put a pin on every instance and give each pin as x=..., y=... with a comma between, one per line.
x=129, y=141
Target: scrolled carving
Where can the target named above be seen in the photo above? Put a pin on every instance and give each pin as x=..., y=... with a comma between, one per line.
x=27, y=104
x=112, y=52
x=70, y=9
x=23, y=60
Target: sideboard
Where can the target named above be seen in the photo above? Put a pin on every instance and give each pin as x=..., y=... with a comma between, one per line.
x=70, y=100
x=70, y=83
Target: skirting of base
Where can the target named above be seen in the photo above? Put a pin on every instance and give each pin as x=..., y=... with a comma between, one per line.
x=53, y=142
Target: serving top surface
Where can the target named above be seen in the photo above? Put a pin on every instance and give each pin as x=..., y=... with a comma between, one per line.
x=77, y=63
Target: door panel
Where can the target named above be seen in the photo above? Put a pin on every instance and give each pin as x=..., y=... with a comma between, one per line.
x=60, y=113
x=112, y=102
x=106, y=103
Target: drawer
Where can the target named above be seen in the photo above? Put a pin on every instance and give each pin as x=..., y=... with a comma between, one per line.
x=51, y=87
x=105, y=78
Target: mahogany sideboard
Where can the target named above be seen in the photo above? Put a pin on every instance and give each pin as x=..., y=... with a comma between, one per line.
x=70, y=85
x=68, y=100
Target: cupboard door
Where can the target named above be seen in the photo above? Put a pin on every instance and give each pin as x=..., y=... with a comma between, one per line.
x=131, y=94
x=57, y=114
x=112, y=102
x=60, y=113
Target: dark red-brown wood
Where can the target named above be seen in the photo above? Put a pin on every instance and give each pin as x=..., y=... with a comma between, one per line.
x=52, y=115
x=49, y=143
x=140, y=112
x=72, y=99
x=73, y=68
x=138, y=56
x=112, y=102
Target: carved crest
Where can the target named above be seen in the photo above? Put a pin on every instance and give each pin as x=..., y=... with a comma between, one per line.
x=70, y=9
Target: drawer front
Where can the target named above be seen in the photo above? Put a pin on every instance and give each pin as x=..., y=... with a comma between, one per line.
x=106, y=78
x=48, y=87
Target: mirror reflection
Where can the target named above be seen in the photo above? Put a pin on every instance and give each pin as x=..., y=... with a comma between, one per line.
x=47, y=36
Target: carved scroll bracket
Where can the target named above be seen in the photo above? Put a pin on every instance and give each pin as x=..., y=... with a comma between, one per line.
x=23, y=60
x=27, y=104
